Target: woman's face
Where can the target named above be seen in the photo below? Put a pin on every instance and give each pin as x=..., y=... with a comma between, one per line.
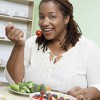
x=52, y=21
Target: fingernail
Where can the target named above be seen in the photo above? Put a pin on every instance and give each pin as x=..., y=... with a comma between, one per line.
x=9, y=23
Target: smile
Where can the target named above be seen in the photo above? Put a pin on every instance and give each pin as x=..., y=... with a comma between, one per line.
x=47, y=31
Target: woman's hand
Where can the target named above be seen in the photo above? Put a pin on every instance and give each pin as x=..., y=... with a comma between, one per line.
x=14, y=34
x=84, y=94
x=77, y=92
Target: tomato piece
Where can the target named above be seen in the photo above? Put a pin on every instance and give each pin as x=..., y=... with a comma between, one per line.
x=39, y=33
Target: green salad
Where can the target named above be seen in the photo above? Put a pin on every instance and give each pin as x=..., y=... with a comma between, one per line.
x=28, y=87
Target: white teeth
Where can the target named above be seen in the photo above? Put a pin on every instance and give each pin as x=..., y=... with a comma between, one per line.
x=47, y=29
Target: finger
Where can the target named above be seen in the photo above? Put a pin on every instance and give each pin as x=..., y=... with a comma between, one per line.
x=9, y=27
x=73, y=90
x=13, y=32
x=79, y=92
x=10, y=30
x=20, y=35
x=10, y=34
x=16, y=31
x=80, y=97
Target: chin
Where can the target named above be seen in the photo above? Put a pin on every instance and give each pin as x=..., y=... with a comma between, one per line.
x=49, y=38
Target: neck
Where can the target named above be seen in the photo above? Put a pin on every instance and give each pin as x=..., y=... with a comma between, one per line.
x=59, y=39
x=55, y=48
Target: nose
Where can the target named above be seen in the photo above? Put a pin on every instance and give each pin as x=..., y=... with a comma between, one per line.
x=45, y=22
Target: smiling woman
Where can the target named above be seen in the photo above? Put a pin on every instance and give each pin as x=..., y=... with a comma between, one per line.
x=61, y=57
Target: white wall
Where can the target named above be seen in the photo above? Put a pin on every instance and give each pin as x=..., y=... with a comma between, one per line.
x=87, y=15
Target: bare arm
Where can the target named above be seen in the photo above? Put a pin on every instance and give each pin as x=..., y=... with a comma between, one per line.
x=15, y=64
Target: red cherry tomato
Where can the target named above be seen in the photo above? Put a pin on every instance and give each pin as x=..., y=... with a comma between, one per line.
x=39, y=33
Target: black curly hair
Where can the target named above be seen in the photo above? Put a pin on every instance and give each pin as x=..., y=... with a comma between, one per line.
x=73, y=30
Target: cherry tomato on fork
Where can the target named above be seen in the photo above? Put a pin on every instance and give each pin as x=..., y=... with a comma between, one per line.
x=39, y=33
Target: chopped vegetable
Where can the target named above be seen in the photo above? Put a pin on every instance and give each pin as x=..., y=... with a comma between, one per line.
x=28, y=87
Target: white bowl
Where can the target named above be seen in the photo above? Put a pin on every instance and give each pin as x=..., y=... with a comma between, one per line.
x=59, y=94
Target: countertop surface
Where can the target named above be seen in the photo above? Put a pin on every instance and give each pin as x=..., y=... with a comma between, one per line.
x=9, y=95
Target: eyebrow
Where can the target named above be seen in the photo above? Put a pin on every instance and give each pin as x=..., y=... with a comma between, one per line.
x=49, y=12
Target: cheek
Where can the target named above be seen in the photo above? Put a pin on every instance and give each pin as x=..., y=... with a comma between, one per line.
x=60, y=23
x=60, y=26
x=39, y=23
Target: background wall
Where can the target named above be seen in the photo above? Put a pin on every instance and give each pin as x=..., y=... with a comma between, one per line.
x=35, y=24
x=86, y=14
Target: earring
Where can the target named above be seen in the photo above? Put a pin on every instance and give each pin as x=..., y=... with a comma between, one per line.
x=39, y=33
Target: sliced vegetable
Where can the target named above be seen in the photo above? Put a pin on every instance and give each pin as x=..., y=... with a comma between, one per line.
x=28, y=87
x=14, y=87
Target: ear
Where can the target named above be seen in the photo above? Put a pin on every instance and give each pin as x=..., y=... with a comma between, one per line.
x=67, y=18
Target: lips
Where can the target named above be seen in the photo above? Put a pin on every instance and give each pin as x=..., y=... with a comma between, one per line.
x=48, y=31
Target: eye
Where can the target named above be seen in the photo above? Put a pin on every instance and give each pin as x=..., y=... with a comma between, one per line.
x=52, y=17
x=41, y=17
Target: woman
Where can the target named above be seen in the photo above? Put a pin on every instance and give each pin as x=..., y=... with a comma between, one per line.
x=60, y=58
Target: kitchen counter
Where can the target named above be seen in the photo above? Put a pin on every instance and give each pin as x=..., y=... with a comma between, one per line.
x=9, y=95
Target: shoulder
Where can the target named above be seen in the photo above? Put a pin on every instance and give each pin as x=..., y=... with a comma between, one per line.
x=85, y=42
x=32, y=39
x=89, y=46
x=30, y=42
